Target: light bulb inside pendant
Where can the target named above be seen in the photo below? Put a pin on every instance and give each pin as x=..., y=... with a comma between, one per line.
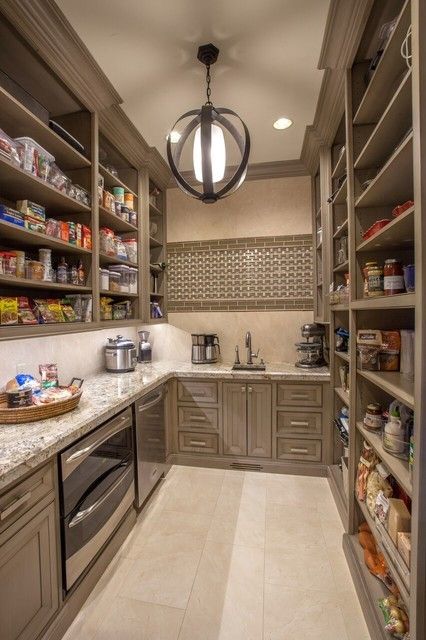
x=217, y=154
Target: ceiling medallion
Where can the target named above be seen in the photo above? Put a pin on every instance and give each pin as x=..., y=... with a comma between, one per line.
x=209, y=148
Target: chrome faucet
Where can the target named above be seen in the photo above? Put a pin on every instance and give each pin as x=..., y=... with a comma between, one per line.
x=250, y=355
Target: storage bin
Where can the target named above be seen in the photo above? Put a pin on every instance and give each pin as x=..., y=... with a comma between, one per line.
x=35, y=159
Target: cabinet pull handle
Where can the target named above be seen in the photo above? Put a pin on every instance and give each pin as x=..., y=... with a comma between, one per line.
x=154, y=472
x=300, y=396
x=299, y=423
x=15, y=505
x=297, y=450
x=153, y=439
x=250, y=389
x=197, y=443
x=198, y=418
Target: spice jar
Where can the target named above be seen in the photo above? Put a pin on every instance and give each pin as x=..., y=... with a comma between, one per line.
x=373, y=419
x=375, y=280
x=393, y=277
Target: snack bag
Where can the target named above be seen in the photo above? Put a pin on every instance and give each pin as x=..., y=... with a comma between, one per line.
x=49, y=375
x=395, y=617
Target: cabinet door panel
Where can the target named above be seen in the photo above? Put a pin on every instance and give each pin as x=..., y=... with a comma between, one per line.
x=234, y=419
x=28, y=577
x=259, y=420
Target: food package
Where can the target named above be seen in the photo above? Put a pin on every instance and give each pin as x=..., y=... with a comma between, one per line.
x=395, y=617
x=32, y=210
x=374, y=559
x=389, y=351
x=404, y=546
x=10, y=215
x=8, y=311
x=381, y=508
x=399, y=519
x=122, y=310
x=106, y=308
x=120, y=248
x=34, y=158
x=9, y=148
x=48, y=311
x=108, y=201
x=58, y=179
x=68, y=311
x=366, y=464
x=86, y=237
x=49, y=375
x=377, y=481
x=8, y=263
x=53, y=228
x=22, y=381
x=65, y=231
x=35, y=225
x=82, y=306
x=78, y=234
x=25, y=313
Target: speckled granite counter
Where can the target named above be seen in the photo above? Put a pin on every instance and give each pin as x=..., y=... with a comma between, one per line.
x=25, y=446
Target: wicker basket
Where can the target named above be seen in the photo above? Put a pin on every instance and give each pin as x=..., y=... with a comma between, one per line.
x=36, y=412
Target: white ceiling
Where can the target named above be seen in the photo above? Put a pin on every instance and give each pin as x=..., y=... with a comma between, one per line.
x=267, y=65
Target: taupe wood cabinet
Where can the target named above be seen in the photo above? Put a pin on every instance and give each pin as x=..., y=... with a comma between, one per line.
x=29, y=582
x=247, y=419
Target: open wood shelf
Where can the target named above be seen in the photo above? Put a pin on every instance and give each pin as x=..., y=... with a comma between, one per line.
x=156, y=295
x=113, y=181
x=369, y=588
x=109, y=219
x=17, y=184
x=392, y=382
x=340, y=166
x=12, y=233
x=17, y=121
x=11, y=281
x=339, y=307
x=341, y=195
x=154, y=211
x=343, y=395
x=399, y=233
x=395, y=121
x=117, y=294
x=397, y=466
x=376, y=95
x=341, y=267
x=388, y=552
x=343, y=355
x=106, y=259
x=153, y=242
x=399, y=301
x=394, y=182
x=342, y=230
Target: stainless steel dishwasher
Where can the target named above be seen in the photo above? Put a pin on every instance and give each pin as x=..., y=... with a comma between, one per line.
x=151, y=449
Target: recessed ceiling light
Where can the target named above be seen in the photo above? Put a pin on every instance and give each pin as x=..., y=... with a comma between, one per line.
x=283, y=123
x=174, y=136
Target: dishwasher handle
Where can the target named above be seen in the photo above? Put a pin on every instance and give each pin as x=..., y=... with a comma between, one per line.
x=151, y=403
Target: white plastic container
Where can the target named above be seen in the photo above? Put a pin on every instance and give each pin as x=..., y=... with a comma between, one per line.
x=35, y=159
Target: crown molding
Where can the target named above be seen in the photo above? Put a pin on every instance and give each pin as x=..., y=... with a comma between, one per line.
x=158, y=169
x=120, y=130
x=45, y=28
x=258, y=171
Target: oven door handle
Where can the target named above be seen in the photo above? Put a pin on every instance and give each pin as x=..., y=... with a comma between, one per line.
x=143, y=407
x=85, y=513
x=124, y=421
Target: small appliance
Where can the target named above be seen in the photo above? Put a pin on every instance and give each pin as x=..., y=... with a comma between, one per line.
x=145, y=350
x=205, y=348
x=311, y=353
x=120, y=355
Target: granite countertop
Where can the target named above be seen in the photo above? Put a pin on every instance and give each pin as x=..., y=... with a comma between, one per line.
x=25, y=446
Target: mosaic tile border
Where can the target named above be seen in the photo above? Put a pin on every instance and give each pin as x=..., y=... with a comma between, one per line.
x=267, y=273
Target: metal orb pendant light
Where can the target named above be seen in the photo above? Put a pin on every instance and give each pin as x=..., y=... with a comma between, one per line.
x=209, y=148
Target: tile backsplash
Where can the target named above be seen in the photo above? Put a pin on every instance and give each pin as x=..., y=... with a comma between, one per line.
x=272, y=273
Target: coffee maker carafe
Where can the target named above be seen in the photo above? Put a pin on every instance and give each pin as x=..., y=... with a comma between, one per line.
x=205, y=348
x=144, y=351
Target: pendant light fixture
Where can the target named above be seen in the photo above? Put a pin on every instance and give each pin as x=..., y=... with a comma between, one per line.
x=209, y=153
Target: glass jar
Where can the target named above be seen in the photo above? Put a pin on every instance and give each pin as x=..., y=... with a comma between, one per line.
x=133, y=280
x=375, y=280
x=393, y=277
x=107, y=244
x=373, y=419
x=131, y=249
x=114, y=280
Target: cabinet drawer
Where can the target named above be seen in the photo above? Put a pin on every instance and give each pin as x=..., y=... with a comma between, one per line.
x=17, y=501
x=197, y=417
x=299, y=395
x=198, y=391
x=291, y=449
x=198, y=442
x=299, y=423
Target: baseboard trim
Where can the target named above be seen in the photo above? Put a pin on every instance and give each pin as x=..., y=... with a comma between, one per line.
x=267, y=466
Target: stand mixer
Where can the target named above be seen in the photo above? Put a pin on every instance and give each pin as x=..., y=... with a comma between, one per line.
x=311, y=353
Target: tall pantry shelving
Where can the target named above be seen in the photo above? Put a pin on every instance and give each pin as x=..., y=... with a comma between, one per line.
x=109, y=140
x=383, y=134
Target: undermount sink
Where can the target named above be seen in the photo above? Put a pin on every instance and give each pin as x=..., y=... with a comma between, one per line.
x=249, y=367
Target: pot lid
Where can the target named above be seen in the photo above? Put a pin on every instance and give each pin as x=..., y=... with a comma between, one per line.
x=121, y=343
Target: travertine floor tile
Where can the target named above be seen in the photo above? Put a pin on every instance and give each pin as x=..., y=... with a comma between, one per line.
x=227, y=599
x=292, y=528
x=307, y=568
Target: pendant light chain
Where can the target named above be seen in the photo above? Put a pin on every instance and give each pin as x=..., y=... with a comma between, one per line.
x=208, y=91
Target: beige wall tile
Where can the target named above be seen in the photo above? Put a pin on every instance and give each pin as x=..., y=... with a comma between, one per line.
x=277, y=206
